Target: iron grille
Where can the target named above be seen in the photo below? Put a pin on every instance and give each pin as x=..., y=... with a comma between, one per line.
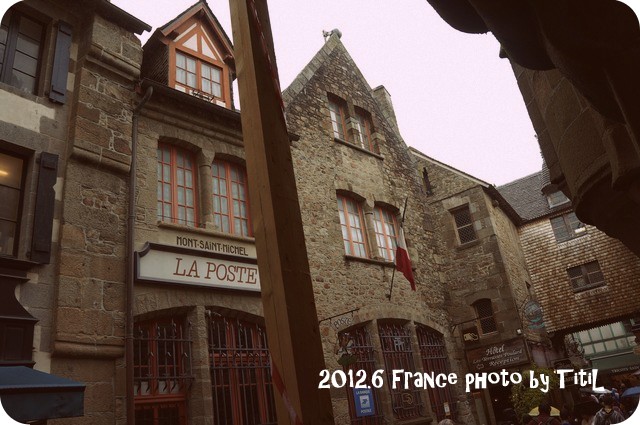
x=239, y=363
x=398, y=354
x=162, y=359
x=464, y=224
x=362, y=349
x=434, y=359
x=484, y=313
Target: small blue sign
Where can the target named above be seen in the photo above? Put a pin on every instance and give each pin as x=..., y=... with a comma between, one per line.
x=363, y=400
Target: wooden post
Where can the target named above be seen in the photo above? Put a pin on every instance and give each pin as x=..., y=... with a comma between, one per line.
x=287, y=293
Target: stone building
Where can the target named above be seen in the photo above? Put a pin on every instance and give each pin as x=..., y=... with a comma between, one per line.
x=127, y=231
x=576, y=66
x=585, y=280
x=66, y=90
x=489, y=296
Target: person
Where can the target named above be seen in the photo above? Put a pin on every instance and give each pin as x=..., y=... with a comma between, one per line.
x=608, y=415
x=446, y=422
x=544, y=416
x=565, y=416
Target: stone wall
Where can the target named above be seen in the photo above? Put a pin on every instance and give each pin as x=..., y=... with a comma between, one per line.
x=89, y=302
x=323, y=167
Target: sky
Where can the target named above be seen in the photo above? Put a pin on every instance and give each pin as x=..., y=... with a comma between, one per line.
x=455, y=99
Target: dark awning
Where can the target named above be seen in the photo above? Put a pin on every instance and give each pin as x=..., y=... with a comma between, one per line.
x=30, y=395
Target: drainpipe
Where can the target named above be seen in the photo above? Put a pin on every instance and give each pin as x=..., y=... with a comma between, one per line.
x=131, y=258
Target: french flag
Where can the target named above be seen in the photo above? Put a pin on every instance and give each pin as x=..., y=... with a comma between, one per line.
x=403, y=263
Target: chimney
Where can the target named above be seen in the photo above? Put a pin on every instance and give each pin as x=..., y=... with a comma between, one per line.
x=382, y=96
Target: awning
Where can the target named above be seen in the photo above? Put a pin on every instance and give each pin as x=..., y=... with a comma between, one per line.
x=30, y=395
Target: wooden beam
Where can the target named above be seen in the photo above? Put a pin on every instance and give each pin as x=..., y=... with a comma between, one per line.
x=287, y=293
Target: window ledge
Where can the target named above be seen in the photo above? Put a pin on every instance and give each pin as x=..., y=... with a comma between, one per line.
x=207, y=232
x=383, y=263
x=358, y=148
x=468, y=244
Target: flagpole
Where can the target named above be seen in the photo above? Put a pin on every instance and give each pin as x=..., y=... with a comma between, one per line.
x=393, y=274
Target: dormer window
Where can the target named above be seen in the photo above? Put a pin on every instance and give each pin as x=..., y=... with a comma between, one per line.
x=197, y=77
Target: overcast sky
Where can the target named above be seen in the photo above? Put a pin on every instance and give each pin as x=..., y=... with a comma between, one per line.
x=454, y=98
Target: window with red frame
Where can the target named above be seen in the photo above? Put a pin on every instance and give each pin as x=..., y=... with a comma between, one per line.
x=386, y=230
x=337, y=110
x=363, y=125
x=361, y=347
x=204, y=80
x=433, y=354
x=351, y=222
x=230, y=198
x=397, y=352
x=241, y=385
x=176, y=185
x=162, y=371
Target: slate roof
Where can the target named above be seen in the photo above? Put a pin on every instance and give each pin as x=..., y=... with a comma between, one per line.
x=526, y=197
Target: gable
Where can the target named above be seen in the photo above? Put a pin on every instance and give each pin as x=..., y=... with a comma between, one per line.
x=197, y=38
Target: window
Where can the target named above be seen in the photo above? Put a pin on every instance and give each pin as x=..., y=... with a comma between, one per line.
x=386, y=229
x=241, y=384
x=586, y=276
x=20, y=50
x=198, y=77
x=363, y=126
x=11, y=185
x=486, y=323
x=176, y=185
x=556, y=198
x=464, y=225
x=611, y=338
x=567, y=226
x=435, y=359
x=162, y=371
x=351, y=221
x=230, y=200
x=395, y=340
x=361, y=348
x=337, y=109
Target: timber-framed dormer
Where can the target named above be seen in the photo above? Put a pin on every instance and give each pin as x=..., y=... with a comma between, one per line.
x=194, y=55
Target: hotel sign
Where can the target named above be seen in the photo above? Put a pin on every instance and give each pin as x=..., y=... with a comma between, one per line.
x=158, y=263
x=498, y=356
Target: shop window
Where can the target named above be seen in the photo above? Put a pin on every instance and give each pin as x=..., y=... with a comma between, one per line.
x=567, y=226
x=162, y=371
x=586, y=276
x=230, y=198
x=386, y=228
x=337, y=111
x=198, y=77
x=241, y=384
x=352, y=224
x=485, y=321
x=356, y=352
x=176, y=185
x=433, y=354
x=11, y=187
x=464, y=225
x=397, y=352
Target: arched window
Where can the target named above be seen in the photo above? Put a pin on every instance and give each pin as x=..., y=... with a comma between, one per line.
x=356, y=345
x=433, y=354
x=352, y=224
x=241, y=384
x=484, y=316
x=386, y=228
x=337, y=111
x=230, y=198
x=176, y=185
x=162, y=371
